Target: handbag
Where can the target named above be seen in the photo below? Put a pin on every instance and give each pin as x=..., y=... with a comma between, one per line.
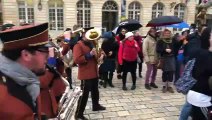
x=160, y=63
x=186, y=81
x=138, y=59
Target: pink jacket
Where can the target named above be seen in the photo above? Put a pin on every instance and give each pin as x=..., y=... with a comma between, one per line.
x=128, y=53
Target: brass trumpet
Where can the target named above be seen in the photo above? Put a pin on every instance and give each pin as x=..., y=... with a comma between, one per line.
x=61, y=36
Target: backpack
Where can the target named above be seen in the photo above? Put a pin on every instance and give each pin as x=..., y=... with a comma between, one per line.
x=186, y=81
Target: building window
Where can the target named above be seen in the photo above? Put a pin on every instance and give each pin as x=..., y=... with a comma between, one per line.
x=179, y=11
x=110, y=6
x=26, y=11
x=134, y=11
x=83, y=13
x=157, y=10
x=56, y=15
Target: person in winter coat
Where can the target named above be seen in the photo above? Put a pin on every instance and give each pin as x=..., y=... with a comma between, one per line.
x=166, y=51
x=193, y=44
x=127, y=57
x=23, y=58
x=199, y=96
x=179, y=43
x=150, y=58
x=120, y=37
x=138, y=39
x=109, y=48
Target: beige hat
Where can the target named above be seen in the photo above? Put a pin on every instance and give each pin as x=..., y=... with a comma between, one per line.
x=128, y=34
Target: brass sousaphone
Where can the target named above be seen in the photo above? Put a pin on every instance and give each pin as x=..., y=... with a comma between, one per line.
x=93, y=34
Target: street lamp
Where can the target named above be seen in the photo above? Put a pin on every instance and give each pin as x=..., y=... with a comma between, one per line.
x=39, y=5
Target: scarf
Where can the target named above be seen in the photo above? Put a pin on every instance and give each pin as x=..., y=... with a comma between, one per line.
x=155, y=38
x=21, y=75
x=167, y=40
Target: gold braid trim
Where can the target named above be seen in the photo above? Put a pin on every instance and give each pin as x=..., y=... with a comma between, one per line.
x=36, y=44
x=26, y=37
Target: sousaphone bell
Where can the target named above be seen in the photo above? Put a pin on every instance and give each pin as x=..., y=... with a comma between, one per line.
x=93, y=34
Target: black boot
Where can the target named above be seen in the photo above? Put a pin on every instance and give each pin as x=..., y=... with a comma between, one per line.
x=153, y=85
x=124, y=88
x=119, y=76
x=110, y=80
x=133, y=87
x=147, y=86
x=105, y=79
x=105, y=84
x=140, y=75
x=99, y=108
x=82, y=117
x=110, y=83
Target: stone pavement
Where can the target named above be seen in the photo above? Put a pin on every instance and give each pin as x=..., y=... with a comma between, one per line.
x=139, y=104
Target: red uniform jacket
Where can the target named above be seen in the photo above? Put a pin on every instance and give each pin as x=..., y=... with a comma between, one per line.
x=15, y=102
x=51, y=87
x=87, y=69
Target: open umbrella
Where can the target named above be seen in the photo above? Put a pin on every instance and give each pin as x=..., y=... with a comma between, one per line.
x=129, y=24
x=6, y=26
x=179, y=25
x=163, y=21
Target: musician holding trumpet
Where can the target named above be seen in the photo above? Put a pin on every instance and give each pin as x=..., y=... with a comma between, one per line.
x=85, y=55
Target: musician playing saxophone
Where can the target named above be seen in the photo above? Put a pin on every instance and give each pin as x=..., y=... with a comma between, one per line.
x=84, y=55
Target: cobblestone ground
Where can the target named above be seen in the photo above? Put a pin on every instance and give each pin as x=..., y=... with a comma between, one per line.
x=139, y=104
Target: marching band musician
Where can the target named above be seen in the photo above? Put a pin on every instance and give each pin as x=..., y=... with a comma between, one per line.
x=52, y=87
x=23, y=58
x=85, y=56
x=70, y=38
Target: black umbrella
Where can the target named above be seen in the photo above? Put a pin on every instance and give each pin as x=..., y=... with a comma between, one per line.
x=129, y=25
x=164, y=20
x=7, y=26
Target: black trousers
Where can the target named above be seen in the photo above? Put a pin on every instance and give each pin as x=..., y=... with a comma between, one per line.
x=69, y=74
x=119, y=69
x=140, y=68
x=129, y=66
x=107, y=77
x=201, y=113
x=140, y=65
x=90, y=85
x=167, y=76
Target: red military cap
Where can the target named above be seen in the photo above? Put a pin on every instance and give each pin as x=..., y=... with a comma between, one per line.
x=18, y=37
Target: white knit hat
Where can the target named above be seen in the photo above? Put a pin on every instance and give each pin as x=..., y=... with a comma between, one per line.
x=185, y=29
x=128, y=34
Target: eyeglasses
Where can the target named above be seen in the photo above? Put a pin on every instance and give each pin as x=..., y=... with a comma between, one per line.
x=123, y=31
x=43, y=50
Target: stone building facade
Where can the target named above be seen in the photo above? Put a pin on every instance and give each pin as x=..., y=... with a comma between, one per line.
x=103, y=14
